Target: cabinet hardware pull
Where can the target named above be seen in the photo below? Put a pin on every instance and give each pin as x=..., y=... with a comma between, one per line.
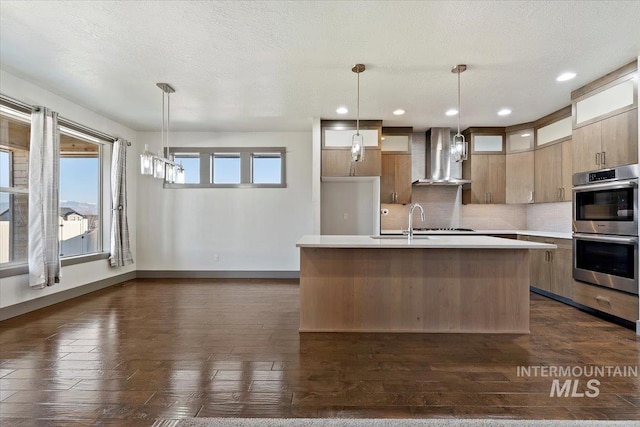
x=563, y=195
x=531, y=198
x=603, y=158
x=546, y=255
x=490, y=197
x=598, y=159
x=603, y=300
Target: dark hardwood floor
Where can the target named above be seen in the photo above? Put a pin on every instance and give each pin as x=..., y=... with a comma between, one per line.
x=167, y=349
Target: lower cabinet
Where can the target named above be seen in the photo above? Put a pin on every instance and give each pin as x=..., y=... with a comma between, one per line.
x=551, y=269
x=624, y=306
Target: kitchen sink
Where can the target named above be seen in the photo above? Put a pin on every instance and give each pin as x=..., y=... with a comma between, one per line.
x=401, y=237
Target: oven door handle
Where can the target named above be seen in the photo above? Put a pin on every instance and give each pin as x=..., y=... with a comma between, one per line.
x=632, y=183
x=611, y=239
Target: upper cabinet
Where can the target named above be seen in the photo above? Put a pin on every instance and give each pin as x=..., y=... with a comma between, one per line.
x=553, y=157
x=336, y=148
x=396, y=140
x=605, y=121
x=520, y=142
x=485, y=166
x=395, y=182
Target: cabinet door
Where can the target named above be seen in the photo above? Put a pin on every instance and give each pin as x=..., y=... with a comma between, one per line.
x=561, y=265
x=479, y=178
x=403, y=178
x=620, y=139
x=548, y=174
x=338, y=163
x=388, y=179
x=395, y=184
x=519, y=177
x=540, y=269
x=587, y=142
x=497, y=178
x=567, y=171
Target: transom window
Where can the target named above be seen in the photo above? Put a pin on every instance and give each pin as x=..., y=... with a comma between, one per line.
x=231, y=167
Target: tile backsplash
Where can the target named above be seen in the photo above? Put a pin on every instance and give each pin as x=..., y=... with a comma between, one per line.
x=549, y=217
x=443, y=208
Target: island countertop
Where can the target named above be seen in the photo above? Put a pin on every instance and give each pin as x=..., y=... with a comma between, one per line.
x=422, y=242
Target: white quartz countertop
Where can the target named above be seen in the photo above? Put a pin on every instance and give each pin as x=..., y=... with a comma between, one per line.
x=552, y=234
x=429, y=242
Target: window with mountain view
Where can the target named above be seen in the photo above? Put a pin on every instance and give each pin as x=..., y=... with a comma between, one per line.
x=80, y=195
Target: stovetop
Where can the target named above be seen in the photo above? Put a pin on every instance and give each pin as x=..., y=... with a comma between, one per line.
x=443, y=229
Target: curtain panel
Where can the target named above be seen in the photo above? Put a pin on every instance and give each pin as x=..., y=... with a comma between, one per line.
x=44, y=183
x=120, y=246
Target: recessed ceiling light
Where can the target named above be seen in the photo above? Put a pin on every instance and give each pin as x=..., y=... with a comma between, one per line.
x=524, y=135
x=382, y=138
x=504, y=112
x=342, y=110
x=451, y=112
x=565, y=76
x=398, y=112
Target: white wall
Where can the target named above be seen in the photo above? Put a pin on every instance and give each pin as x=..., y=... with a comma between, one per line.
x=15, y=289
x=248, y=229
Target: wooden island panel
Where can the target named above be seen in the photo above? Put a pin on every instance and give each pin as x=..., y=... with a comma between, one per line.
x=414, y=290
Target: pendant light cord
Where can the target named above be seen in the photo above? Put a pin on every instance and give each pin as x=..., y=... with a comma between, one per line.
x=458, y=102
x=358, y=108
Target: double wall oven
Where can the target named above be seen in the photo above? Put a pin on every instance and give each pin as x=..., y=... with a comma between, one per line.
x=605, y=227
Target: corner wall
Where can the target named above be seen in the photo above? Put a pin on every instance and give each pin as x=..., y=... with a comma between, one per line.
x=15, y=290
x=226, y=229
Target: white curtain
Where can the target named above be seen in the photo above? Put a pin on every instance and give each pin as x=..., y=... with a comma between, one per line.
x=120, y=246
x=44, y=183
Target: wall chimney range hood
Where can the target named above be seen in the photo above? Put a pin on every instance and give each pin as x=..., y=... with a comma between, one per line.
x=441, y=167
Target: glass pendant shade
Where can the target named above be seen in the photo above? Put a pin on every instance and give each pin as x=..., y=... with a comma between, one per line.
x=170, y=171
x=146, y=162
x=179, y=175
x=158, y=168
x=357, y=148
x=459, y=148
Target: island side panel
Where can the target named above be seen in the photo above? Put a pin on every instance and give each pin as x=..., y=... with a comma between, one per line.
x=414, y=290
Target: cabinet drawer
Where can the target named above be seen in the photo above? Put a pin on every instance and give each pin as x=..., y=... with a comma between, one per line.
x=619, y=304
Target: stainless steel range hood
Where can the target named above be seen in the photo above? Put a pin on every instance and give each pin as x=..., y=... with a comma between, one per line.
x=441, y=169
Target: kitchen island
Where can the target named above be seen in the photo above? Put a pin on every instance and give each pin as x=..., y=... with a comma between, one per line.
x=469, y=284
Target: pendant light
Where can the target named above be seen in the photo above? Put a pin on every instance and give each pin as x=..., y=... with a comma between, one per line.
x=159, y=166
x=357, y=141
x=459, y=144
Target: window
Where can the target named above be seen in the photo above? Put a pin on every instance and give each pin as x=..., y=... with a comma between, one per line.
x=231, y=167
x=15, y=132
x=226, y=168
x=266, y=168
x=191, y=164
x=80, y=195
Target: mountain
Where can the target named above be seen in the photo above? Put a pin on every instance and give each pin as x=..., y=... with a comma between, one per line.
x=83, y=208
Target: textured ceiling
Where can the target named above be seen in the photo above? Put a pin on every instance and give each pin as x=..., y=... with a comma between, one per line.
x=274, y=65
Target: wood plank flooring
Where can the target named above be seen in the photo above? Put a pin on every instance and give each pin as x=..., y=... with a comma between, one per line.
x=185, y=348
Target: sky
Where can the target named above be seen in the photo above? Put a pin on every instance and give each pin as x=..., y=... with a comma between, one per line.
x=79, y=179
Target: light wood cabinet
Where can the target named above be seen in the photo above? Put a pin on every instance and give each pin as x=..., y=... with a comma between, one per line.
x=338, y=163
x=551, y=270
x=553, y=173
x=395, y=183
x=606, y=300
x=606, y=143
x=487, y=173
x=520, y=177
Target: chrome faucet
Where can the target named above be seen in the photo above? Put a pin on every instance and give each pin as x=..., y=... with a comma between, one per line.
x=410, y=231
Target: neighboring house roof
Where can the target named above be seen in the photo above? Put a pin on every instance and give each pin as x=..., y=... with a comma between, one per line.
x=4, y=215
x=65, y=212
